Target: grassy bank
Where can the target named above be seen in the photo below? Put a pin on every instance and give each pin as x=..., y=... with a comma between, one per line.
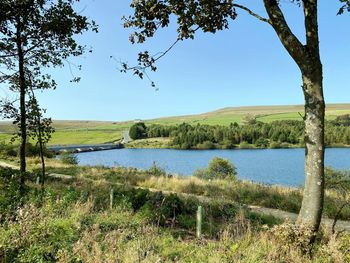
x=166, y=143
x=74, y=221
x=77, y=137
x=238, y=191
x=156, y=143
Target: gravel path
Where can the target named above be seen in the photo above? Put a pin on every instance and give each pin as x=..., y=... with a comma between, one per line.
x=6, y=165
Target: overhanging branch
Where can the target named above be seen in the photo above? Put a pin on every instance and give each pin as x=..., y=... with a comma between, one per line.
x=252, y=13
x=292, y=44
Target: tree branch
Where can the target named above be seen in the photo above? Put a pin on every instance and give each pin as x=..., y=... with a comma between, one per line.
x=162, y=54
x=252, y=13
x=8, y=56
x=336, y=218
x=292, y=44
x=311, y=25
x=6, y=77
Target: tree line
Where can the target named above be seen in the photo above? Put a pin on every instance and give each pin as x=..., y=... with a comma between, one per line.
x=276, y=134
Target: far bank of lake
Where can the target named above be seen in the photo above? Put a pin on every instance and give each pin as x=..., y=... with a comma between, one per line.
x=270, y=166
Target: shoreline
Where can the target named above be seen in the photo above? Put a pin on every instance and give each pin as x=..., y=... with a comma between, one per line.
x=234, y=148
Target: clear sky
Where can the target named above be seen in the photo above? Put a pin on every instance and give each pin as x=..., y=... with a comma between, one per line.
x=245, y=65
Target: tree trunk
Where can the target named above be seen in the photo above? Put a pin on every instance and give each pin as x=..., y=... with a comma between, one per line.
x=307, y=57
x=43, y=171
x=22, y=87
x=312, y=204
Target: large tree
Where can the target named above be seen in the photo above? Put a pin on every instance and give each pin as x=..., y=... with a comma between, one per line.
x=213, y=15
x=36, y=35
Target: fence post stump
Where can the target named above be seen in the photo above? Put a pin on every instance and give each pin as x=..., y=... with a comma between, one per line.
x=111, y=197
x=199, y=222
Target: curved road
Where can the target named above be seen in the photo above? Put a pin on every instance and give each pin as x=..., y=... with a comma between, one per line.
x=126, y=137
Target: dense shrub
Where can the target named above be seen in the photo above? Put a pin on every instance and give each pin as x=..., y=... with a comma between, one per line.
x=221, y=168
x=69, y=158
x=218, y=168
x=156, y=170
x=262, y=143
x=10, y=196
x=206, y=145
x=12, y=150
x=245, y=145
x=342, y=120
x=138, y=131
x=8, y=149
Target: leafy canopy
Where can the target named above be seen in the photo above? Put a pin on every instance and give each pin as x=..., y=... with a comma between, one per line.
x=36, y=35
x=45, y=30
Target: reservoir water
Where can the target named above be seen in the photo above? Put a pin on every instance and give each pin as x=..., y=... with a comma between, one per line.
x=270, y=166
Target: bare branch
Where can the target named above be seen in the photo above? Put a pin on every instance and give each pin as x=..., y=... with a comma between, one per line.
x=336, y=218
x=162, y=54
x=8, y=56
x=252, y=13
x=6, y=77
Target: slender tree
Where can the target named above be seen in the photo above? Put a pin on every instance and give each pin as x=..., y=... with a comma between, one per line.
x=39, y=129
x=36, y=35
x=213, y=15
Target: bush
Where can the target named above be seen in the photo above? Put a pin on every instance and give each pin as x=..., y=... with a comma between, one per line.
x=69, y=158
x=10, y=197
x=138, y=131
x=206, y=145
x=218, y=168
x=275, y=145
x=221, y=168
x=201, y=173
x=245, y=145
x=285, y=145
x=262, y=143
x=227, y=144
x=8, y=149
x=31, y=150
x=156, y=170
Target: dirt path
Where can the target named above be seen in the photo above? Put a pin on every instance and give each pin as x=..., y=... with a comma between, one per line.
x=284, y=215
x=6, y=165
x=54, y=175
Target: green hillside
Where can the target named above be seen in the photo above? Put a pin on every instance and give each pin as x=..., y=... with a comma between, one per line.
x=93, y=132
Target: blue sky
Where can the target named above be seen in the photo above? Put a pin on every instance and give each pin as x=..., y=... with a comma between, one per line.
x=245, y=65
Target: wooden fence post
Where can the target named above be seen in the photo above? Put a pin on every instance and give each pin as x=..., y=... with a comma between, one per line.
x=111, y=197
x=199, y=222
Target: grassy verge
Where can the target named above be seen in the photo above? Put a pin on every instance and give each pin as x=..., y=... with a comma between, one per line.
x=85, y=137
x=77, y=137
x=240, y=192
x=73, y=222
x=156, y=143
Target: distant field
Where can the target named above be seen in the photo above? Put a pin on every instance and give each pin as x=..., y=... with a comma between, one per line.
x=330, y=115
x=78, y=137
x=94, y=132
x=226, y=116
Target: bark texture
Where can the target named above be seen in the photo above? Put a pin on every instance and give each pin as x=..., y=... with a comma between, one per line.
x=22, y=87
x=312, y=204
x=308, y=60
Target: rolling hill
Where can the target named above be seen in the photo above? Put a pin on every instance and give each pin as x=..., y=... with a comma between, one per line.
x=93, y=132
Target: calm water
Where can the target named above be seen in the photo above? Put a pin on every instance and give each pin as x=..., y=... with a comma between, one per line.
x=271, y=166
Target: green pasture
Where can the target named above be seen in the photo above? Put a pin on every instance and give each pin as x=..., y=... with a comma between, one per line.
x=95, y=132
